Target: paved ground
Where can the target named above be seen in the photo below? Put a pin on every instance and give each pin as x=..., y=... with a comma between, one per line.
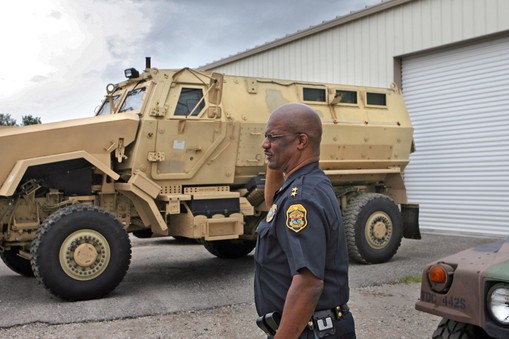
x=176, y=290
x=382, y=312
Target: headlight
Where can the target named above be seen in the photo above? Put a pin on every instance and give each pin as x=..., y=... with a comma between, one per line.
x=131, y=73
x=498, y=303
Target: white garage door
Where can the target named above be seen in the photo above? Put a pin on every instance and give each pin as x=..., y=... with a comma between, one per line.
x=459, y=104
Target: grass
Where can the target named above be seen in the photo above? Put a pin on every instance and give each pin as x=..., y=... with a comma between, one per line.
x=410, y=279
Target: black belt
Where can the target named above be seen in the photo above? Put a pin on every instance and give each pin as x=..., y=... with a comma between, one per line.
x=341, y=310
x=320, y=318
x=338, y=311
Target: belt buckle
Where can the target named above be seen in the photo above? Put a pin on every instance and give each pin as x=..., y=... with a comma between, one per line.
x=323, y=322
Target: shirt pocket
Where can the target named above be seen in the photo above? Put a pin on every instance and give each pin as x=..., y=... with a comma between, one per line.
x=264, y=242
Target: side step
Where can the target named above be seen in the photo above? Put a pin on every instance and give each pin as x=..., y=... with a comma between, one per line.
x=142, y=191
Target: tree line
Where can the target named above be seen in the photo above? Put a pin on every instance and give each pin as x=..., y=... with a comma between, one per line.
x=7, y=120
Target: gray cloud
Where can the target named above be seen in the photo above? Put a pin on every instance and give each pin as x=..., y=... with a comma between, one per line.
x=55, y=14
x=38, y=78
x=94, y=41
x=193, y=33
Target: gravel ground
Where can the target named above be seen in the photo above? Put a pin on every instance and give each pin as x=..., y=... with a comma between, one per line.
x=382, y=312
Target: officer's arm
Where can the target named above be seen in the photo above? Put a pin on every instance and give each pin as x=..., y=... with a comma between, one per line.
x=300, y=304
x=274, y=179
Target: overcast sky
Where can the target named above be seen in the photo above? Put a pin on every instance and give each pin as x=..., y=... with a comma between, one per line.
x=58, y=55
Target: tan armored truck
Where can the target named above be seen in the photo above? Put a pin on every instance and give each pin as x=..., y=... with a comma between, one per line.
x=178, y=153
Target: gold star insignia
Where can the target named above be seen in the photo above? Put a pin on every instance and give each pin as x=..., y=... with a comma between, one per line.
x=294, y=191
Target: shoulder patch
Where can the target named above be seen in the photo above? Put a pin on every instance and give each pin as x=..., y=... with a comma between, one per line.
x=271, y=213
x=296, y=217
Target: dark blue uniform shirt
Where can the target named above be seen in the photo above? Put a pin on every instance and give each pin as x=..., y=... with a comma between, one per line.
x=302, y=229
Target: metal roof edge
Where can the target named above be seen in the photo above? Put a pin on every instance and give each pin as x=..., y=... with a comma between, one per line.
x=307, y=32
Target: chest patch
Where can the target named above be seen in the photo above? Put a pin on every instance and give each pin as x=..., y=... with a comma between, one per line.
x=296, y=217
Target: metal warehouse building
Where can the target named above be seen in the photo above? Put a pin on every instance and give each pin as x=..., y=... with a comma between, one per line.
x=451, y=59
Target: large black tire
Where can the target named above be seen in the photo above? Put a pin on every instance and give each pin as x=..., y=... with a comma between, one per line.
x=374, y=228
x=16, y=263
x=81, y=252
x=449, y=329
x=235, y=248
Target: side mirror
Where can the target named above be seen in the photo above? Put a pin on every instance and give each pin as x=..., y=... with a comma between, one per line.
x=217, y=89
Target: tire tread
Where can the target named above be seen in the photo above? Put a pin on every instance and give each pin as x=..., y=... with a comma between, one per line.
x=354, y=208
x=450, y=329
x=119, y=233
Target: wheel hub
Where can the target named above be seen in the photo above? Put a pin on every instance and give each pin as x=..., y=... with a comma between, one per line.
x=84, y=254
x=378, y=230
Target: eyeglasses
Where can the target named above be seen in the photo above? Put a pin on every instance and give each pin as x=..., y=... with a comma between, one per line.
x=272, y=137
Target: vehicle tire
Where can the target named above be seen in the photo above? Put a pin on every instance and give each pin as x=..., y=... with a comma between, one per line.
x=16, y=263
x=81, y=252
x=234, y=248
x=449, y=329
x=374, y=228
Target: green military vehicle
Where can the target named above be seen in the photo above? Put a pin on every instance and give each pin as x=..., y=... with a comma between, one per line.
x=178, y=153
x=470, y=291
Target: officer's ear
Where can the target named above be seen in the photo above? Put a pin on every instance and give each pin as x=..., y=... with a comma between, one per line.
x=303, y=141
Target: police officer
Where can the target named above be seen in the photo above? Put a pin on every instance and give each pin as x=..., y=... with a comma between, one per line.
x=301, y=256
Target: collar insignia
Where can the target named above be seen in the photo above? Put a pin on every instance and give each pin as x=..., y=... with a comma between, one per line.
x=294, y=191
x=296, y=217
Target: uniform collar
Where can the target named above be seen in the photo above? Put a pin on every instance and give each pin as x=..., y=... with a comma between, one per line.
x=299, y=173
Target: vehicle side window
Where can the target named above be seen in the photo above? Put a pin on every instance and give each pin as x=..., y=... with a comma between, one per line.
x=376, y=99
x=314, y=94
x=188, y=99
x=347, y=97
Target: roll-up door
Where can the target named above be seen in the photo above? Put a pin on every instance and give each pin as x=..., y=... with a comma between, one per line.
x=459, y=104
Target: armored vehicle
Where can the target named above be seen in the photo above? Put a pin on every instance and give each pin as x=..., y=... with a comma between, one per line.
x=470, y=290
x=178, y=153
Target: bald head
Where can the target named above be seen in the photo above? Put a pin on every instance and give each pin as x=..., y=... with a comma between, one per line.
x=292, y=138
x=300, y=118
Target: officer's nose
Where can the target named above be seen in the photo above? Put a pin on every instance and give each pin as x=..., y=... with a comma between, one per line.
x=266, y=143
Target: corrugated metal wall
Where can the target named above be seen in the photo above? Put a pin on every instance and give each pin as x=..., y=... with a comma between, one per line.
x=361, y=52
x=458, y=101
x=459, y=105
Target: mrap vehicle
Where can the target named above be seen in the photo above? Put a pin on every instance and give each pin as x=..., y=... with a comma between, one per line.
x=178, y=153
x=470, y=291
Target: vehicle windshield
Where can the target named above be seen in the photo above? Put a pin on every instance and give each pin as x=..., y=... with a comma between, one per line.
x=133, y=100
x=106, y=106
